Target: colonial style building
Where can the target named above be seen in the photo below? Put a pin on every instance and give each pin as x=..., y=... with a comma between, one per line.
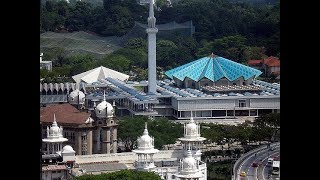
x=89, y=131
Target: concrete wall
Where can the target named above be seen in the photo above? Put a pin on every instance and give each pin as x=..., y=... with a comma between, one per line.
x=127, y=157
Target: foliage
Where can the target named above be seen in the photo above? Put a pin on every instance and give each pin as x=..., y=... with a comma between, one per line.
x=262, y=129
x=259, y=25
x=130, y=128
x=116, y=62
x=123, y=174
x=219, y=170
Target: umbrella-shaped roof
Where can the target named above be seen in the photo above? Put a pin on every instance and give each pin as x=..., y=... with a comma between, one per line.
x=98, y=73
x=213, y=68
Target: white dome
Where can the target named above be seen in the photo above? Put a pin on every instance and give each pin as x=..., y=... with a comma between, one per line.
x=191, y=128
x=54, y=129
x=145, y=142
x=104, y=109
x=67, y=148
x=76, y=97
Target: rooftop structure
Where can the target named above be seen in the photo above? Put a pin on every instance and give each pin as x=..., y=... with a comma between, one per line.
x=99, y=73
x=145, y=148
x=213, y=68
x=269, y=65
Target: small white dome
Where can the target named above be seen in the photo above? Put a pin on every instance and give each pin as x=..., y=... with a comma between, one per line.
x=54, y=129
x=145, y=142
x=76, y=97
x=192, y=128
x=67, y=148
x=104, y=109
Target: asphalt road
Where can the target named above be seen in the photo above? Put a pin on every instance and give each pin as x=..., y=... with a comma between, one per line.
x=262, y=172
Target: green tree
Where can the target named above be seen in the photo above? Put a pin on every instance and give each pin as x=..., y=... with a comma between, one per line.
x=136, y=43
x=130, y=128
x=123, y=174
x=137, y=57
x=116, y=62
x=166, y=53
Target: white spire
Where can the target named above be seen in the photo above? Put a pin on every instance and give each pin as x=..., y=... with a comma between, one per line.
x=191, y=118
x=145, y=132
x=151, y=11
x=151, y=18
x=54, y=120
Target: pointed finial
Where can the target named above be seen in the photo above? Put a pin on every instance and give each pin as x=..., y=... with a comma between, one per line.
x=54, y=117
x=104, y=95
x=191, y=118
x=213, y=55
x=145, y=132
x=54, y=120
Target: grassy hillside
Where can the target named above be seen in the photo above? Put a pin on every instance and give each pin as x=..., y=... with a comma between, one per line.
x=79, y=42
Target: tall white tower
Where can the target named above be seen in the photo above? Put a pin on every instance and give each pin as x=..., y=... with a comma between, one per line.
x=191, y=167
x=152, y=31
x=145, y=149
x=54, y=138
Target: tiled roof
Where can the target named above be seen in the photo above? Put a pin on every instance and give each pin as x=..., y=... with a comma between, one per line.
x=65, y=113
x=213, y=68
x=272, y=61
x=54, y=167
x=254, y=62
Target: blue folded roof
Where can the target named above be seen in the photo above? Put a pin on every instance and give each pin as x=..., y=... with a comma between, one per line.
x=213, y=68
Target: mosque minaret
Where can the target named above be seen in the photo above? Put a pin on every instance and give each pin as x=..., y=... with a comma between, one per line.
x=152, y=31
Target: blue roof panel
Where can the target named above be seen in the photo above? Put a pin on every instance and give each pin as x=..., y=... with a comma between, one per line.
x=213, y=68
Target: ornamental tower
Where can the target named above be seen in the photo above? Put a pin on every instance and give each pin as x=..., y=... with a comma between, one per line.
x=54, y=138
x=145, y=149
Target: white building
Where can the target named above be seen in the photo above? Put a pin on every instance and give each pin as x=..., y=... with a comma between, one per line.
x=186, y=166
x=56, y=161
x=45, y=64
x=145, y=152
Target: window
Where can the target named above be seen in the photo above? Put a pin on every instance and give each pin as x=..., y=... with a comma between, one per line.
x=242, y=103
x=99, y=112
x=173, y=177
x=84, y=137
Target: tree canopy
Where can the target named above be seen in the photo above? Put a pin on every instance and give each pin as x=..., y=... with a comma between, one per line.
x=130, y=128
x=123, y=174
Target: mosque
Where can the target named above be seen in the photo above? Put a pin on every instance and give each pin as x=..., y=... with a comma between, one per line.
x=214, y=88
x=210, y=88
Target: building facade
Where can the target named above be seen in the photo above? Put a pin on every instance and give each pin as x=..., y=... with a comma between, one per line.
x=90, y=131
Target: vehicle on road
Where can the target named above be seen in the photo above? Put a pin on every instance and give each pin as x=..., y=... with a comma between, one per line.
x=270, y=161
x=276, y=167
x=243, y=174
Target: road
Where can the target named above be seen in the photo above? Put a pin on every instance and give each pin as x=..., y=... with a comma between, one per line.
x=262, y=171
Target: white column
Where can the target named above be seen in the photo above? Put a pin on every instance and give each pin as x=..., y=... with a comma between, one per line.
x=152, y=60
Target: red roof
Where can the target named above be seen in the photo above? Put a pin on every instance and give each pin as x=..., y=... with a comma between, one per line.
x=254, y=62
x=272, y=61
x=65, y=114
x=276, y=72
